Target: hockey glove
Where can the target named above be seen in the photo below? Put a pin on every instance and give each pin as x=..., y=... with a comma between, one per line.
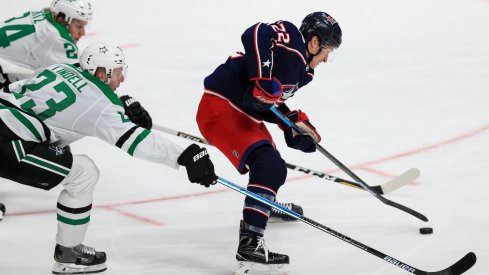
x=199, y=166
x=263, y=94
x=136, y=113
x=306, y=142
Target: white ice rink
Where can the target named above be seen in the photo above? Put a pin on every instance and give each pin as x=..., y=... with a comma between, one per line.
x=409, y=88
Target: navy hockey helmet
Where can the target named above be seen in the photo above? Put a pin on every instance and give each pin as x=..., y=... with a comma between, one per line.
x=324, y=26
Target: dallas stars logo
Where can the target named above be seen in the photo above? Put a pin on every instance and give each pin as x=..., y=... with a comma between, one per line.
x=57, y=150
x=103, y=49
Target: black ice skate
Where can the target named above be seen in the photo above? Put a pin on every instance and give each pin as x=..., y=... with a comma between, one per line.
x=255, y=259
x=2, y=211
x=80, y=259
x=279, y=216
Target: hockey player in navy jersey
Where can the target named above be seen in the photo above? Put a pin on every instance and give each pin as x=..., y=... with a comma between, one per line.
x=278, y=60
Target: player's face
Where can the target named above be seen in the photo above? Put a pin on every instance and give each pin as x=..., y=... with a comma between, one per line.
x=117, y=78
x=77, y=29
x=321, y=57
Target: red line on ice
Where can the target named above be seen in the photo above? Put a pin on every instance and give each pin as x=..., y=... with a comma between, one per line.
x=111, y=206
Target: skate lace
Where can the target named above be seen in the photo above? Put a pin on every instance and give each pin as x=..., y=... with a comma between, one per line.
x=85, y=249
x=287, y=205
x=261, y=245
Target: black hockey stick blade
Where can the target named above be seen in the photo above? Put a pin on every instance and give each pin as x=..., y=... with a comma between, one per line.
x=457, y=268
x=367, y=187
x=404, y=208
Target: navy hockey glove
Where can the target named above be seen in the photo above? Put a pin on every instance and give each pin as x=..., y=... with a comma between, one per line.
x=199, y=166
x=306, y=142
x=136, y=113
x=263, y=94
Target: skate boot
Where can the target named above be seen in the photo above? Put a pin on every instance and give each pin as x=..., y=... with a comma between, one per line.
x=279, y=216
x=2, y=211
x=80, y=259
x=255, y=259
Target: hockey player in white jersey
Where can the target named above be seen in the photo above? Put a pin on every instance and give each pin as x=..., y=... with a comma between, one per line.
x=59, y=105
x=38, y=39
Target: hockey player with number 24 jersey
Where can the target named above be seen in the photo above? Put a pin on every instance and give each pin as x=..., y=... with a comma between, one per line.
x=37, y=39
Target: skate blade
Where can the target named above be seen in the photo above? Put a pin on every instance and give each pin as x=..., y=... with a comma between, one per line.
x=64, y=268
x=251, y=268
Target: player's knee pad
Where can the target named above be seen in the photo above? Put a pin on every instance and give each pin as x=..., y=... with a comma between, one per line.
x=83, y=176
x=267, y=167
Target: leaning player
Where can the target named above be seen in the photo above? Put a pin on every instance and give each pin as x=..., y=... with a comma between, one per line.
x=59, y=105
x=279, y=59
x=38, y=39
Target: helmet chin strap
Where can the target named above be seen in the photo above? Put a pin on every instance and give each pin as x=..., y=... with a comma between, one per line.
x=109, y=76
x=311, y=55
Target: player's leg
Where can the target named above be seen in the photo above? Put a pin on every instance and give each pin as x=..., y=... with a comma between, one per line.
x=248, y=145
x=2, y=210
x=4, y=81
x=73, y=212
x=267, y=174
x=45, y=166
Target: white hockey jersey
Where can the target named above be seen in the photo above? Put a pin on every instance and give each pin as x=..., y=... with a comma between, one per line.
x=33, y=41
x=73, y=104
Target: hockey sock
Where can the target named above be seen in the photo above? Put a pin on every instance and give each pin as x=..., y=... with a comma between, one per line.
x=75, y=201
x=267, y=174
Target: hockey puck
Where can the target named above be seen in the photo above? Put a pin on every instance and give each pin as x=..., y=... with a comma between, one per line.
x=426, y=230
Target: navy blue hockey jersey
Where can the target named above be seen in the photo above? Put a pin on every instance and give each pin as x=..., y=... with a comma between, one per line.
x=271, y=50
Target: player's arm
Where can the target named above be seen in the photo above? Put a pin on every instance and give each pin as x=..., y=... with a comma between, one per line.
x=306, y=141
x=57, y=50
x=259, y=42
x=136, y=112
x=115, y=128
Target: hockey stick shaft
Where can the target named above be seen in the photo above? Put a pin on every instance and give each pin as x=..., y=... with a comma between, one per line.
x=458, y=268
x=385, y=188
x=349, y=172
x=380, y=189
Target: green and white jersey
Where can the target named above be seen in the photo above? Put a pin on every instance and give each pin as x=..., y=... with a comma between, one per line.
x=33, y=41
x=74, y=104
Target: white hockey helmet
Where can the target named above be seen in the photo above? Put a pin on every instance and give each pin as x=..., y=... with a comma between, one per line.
x=102, y=55
x=73, y=9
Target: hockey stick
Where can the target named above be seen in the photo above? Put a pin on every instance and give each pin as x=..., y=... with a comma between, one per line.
x=457, y=268
x=384, y=188
x=349, y=172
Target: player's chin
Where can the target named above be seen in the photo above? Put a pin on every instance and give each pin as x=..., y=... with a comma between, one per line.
x=313, y=65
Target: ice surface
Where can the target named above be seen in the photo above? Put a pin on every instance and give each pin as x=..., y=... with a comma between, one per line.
x=409, y=88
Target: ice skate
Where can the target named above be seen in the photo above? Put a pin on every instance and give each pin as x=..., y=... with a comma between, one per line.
x=255, y=259
x=278, y=216
x=80, y=259
x=2, y=211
